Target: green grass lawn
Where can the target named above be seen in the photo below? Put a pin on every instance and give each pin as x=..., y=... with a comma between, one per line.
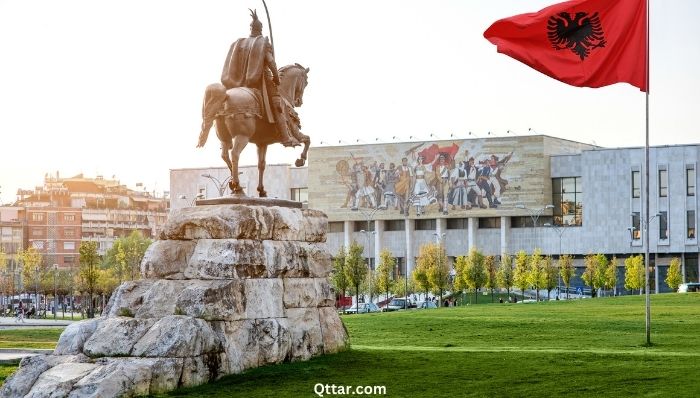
x=30, y=337
x=583, y=348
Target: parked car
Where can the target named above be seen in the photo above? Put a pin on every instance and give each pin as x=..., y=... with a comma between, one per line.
x=426, y=304
x=689, y=287
x=398, y=304
x=363, y=308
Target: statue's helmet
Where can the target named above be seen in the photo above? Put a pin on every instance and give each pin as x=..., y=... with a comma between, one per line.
x=255, y=25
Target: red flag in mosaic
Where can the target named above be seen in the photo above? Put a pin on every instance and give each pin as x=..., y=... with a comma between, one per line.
x=584, y=43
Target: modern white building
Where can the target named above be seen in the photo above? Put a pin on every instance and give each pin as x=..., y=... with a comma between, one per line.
x=517, y=193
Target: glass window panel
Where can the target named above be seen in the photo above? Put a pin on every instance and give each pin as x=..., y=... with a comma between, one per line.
x=556, y=185
x=636, y=226
x=663, y=183
x=568, y=185
x=690, y=215
x=663, y=225
x=579, y=187
x=636, y=184
x=690, y=181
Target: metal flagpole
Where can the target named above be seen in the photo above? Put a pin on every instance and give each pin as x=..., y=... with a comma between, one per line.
x=646, y=208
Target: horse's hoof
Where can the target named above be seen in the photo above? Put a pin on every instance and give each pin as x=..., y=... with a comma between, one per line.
x=262, y=194
x=300, y=162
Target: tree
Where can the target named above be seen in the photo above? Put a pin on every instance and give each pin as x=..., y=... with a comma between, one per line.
x=7, y=278
x=611, y=274
x=126, y=254
x=33, y=269
x=504, y=275
x=460, y=283
x=567, y=271
x=89, y=271
x=399, y=287
x=601, y=270
x=551, y=274
x=439, y=273
x=634, y=273
x=491, y=271
x=427, y=258
x=386, y=265
x=674, y=276
x=520, y=274
x=355, y=268
x=475, y=275
x=338, y=279
x=535, y=276
x=589, y=274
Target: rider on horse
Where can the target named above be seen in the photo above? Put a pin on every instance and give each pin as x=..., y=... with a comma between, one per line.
x=250, y=63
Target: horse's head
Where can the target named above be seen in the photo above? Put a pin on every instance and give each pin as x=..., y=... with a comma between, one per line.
x=293, y=81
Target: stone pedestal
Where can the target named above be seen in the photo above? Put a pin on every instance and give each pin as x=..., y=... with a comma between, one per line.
x=225, y=288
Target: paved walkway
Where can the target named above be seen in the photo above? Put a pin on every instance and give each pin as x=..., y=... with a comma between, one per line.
x=15, y=355
x=10, y=322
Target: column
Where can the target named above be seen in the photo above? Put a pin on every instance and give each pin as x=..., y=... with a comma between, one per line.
x=471, y=229
x=347, y=233
x=379, y=232
x=505, y=233
x=656, y=274
x=440, y=226
x=683, y=267
x=410, y=262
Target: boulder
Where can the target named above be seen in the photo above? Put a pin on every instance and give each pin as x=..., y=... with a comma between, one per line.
x=128, y=296
x=30, y=368
x=167, y=259
x=177, y=336
x=213, y=300
x=59, y=380
x=74, y=337
x=116, y=336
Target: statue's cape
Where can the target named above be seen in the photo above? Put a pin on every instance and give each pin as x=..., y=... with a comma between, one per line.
x=245, y=63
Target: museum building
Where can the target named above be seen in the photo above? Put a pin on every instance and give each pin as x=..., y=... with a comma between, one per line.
x=499, y=195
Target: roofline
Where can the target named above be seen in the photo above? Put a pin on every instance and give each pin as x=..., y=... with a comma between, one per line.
x=630, y=148
x=456, y=139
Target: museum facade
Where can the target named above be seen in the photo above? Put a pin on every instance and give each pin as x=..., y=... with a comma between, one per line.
x=499, y=195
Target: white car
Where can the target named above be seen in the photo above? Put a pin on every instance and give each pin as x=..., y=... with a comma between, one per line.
x=363, y=308
x=689, y=287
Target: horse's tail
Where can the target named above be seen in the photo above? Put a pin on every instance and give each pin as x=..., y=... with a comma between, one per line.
x=214, y=98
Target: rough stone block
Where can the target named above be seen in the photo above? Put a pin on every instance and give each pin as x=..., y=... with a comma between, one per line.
x=129, y=295
x=116, y=336
x=30, y=368
x=74, y=337
x=305, y=333
x=177, y=336
x=59, y=380
x=167, y=259
x=335, y=336
x=160, y=299
x=264, y=298
x=213, y=300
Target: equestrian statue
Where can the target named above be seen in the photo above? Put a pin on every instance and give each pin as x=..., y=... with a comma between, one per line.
x=254, y=103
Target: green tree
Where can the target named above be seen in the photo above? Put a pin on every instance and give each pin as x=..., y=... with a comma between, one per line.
x=355, y=268
x=505, y=273
x=567, y=271
x=521, y=272
x=491, y=271
x=427, y=259
x=611, y=274
x=89, y=272
x=551, y=274
x=460, y=283
x=386, y=266
x=439, y=272
x=535, y=276
x=33, y=269
x=399, y=287
x=674, y=277
x=125, y=256
x=634, y=273
x=475, y=274
x=589, y=274
x=338, y=278
x=601, y=271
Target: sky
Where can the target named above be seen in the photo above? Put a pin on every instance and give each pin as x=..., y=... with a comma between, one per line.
x=114, y=88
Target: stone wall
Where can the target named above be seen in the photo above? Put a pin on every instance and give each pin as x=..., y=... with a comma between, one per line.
x=226, y=288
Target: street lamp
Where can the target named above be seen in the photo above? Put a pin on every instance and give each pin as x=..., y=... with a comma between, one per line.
x=192, y=202
x=534, y=214
x=36, y=288
x=220, y=185
x=55, y=296
x=369, y=254
x=560, y=230
x=439, y=239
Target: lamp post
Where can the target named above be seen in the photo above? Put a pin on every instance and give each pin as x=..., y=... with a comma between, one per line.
x=72, y=297
x=220, y=185
x=369, y=264
x=369, y=215
x=440, y=239
x=534, y=214
x=192, y=202
x=55, y=291
x=560, y=230
x=36, y=288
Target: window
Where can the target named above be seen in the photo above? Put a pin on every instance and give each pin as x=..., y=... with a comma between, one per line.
x=663, y=225
x=690, y=180
x=394, y=225
x=68, y=260
x=457, y=223
x=69, y=246
x=69, y=217
x=68, y=233
x=636, y=226
x=38, y=216
x=567, y=198
x=38, y=244
x=690, y=217
x=362, y=226
x=636, y=184
x=37, y=232
x=425, y=224
x=663, y=183
x=528, y=222
x=336, y=226
x=300, y=194
x=489, y=222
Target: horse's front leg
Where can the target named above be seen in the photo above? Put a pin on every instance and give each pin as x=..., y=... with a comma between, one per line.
x=239, y=142
x=302, y=158
x=262, y=152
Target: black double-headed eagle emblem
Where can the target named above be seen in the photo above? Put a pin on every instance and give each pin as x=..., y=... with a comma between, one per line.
x=579, y=32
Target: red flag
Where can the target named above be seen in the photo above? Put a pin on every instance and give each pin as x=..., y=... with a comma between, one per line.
x=585, y=43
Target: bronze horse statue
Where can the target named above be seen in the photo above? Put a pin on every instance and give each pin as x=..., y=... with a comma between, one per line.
x=238, y=115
